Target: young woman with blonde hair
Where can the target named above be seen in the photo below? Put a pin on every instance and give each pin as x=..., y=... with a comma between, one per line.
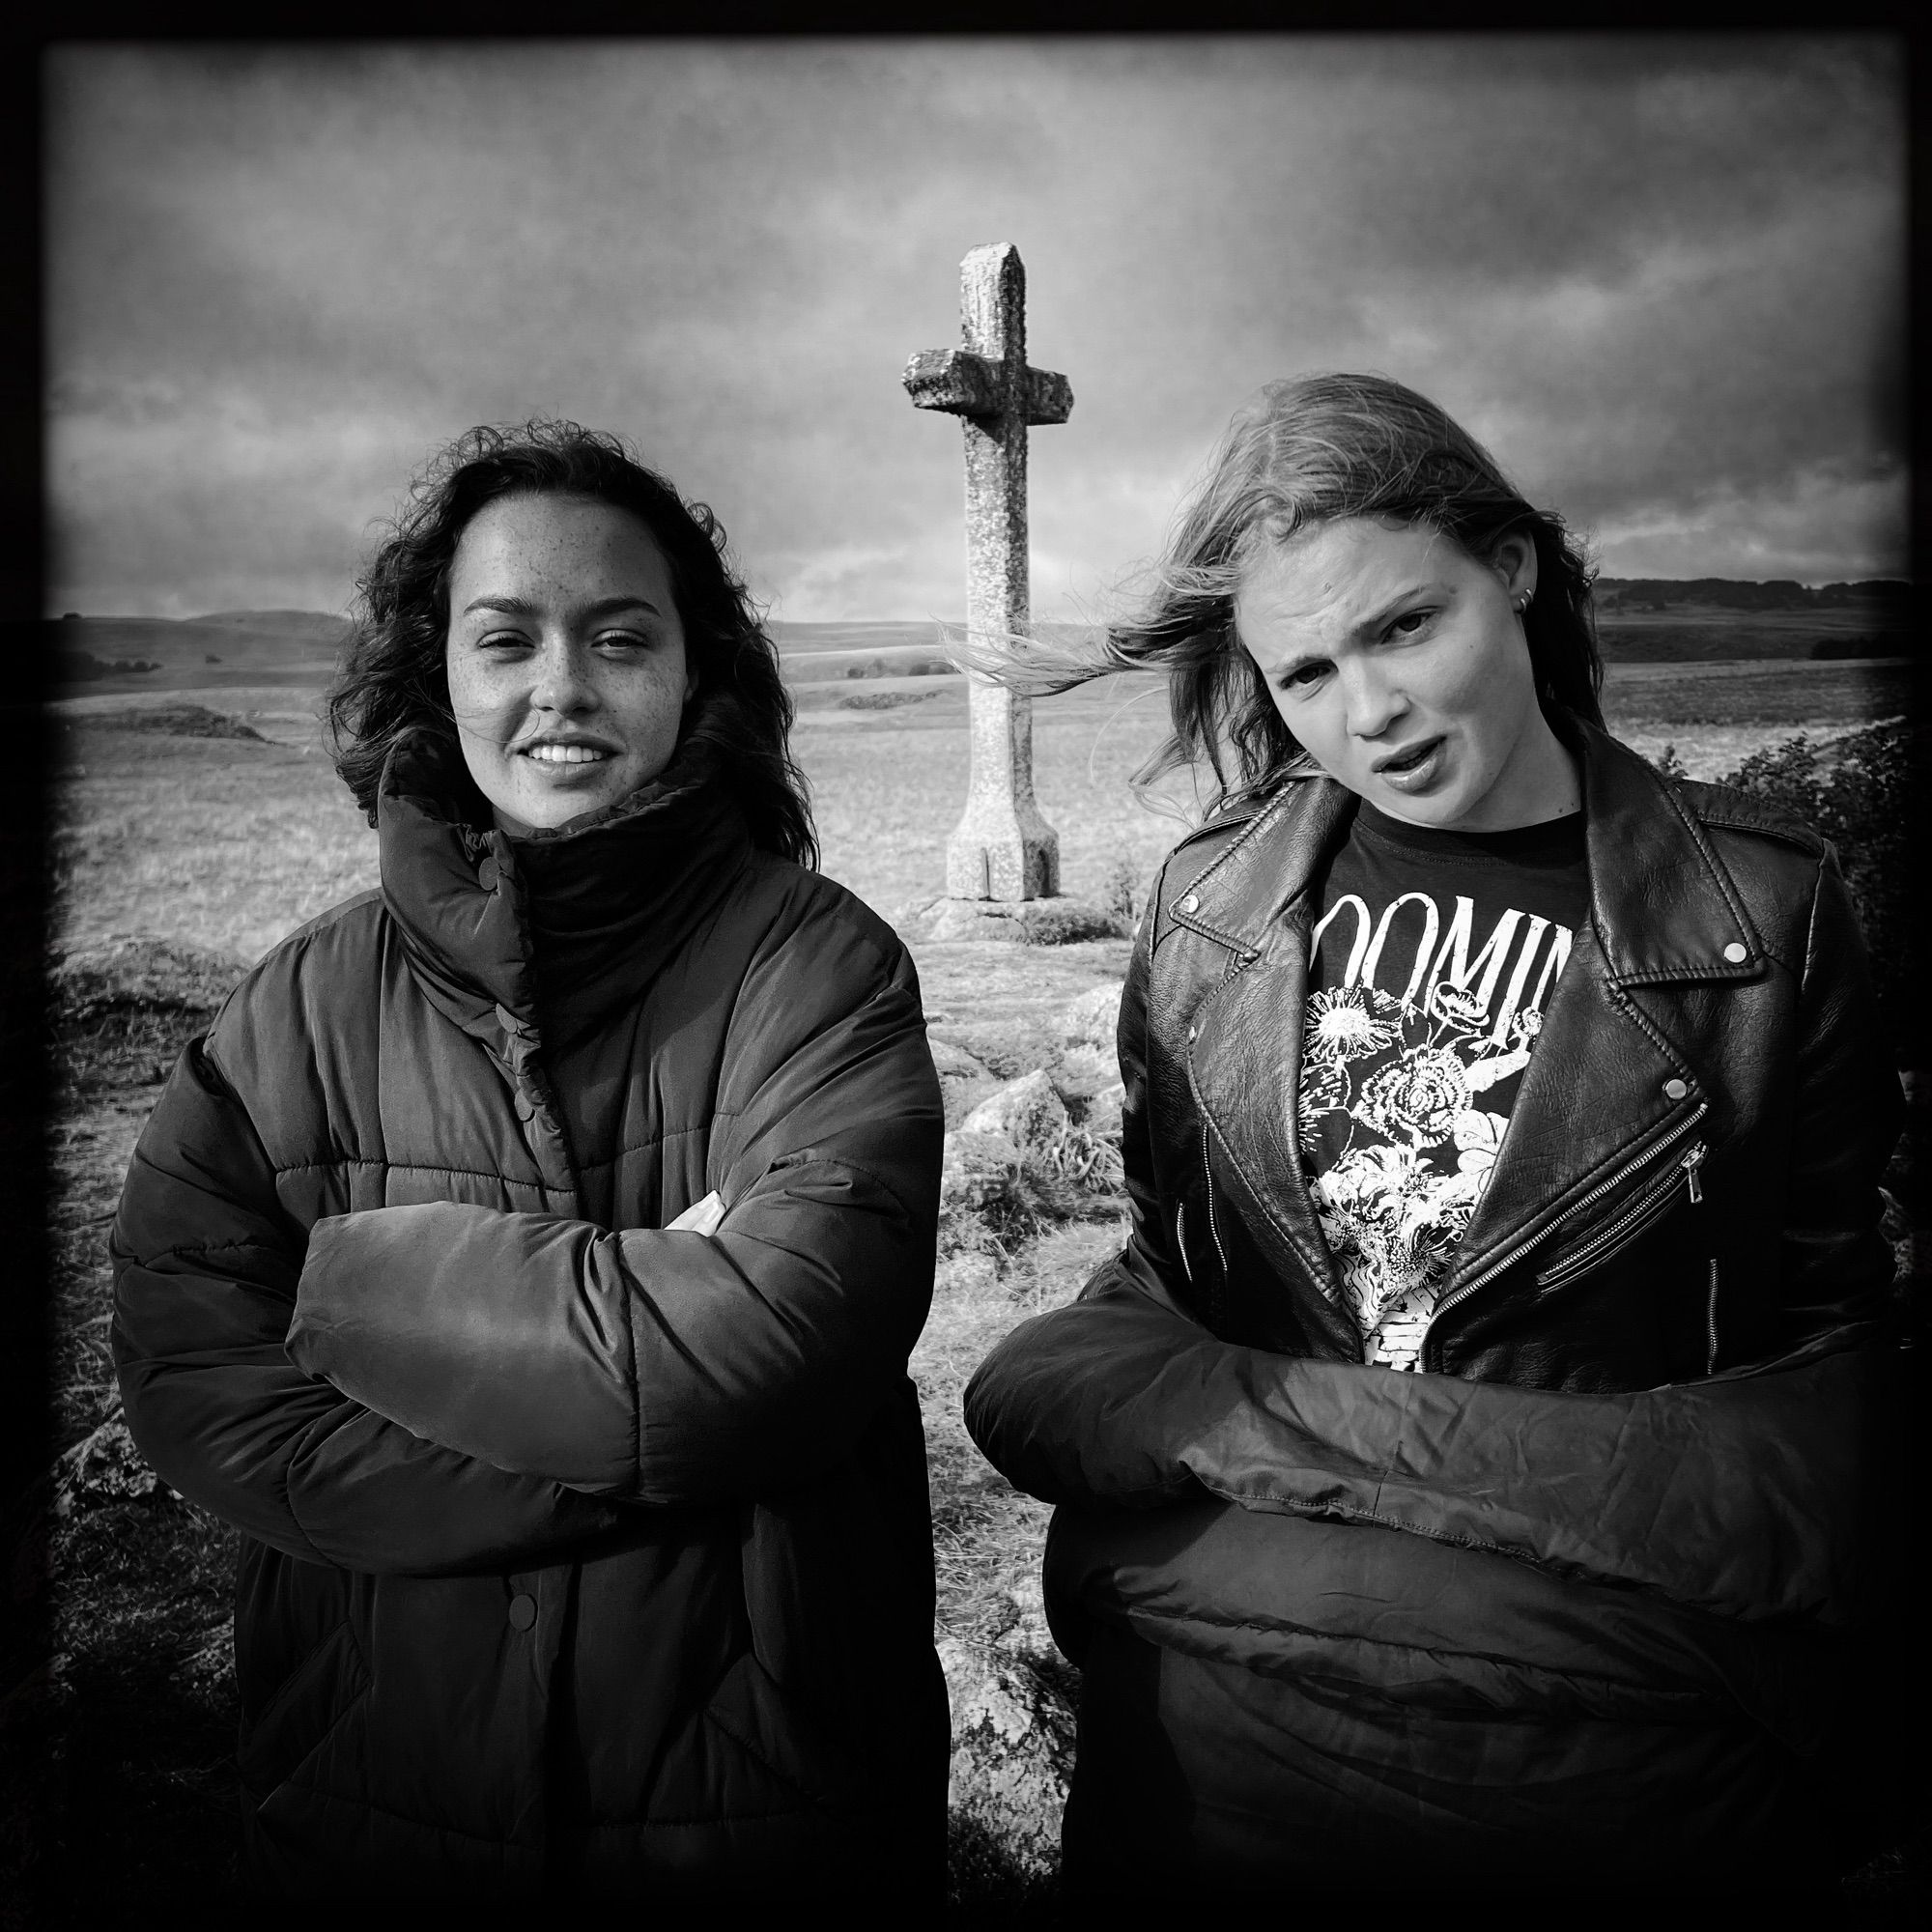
x=1466, y=1471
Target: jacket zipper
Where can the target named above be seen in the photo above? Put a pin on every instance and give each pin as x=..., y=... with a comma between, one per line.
x=1213, y=1230
x=1217, y=1298
x=1651, y=1205
x=1512, y=1254
x=1711, y=1321
x=1181, y=1238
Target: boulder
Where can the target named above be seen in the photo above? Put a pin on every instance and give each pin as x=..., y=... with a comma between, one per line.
x=1012, y=1749
x=954, y=1062
x=104, y=1468
x=1103, y=1111
x=1095, y=1017
x=1026, y=1111
x=977, y=1168
x=1083, y=1070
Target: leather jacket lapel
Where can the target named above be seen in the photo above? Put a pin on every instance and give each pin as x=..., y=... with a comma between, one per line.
x=1244, y=1043
x=1607, y=1079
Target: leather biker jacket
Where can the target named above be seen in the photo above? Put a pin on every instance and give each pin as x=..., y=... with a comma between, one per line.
x=1689, y=1181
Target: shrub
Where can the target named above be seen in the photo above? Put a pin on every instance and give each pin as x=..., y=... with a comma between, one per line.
x=1859, y=793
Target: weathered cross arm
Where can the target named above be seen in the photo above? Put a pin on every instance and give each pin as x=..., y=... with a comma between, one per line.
x=965, y=384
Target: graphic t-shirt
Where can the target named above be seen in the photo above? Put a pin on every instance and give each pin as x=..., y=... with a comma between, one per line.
x=1432, y=964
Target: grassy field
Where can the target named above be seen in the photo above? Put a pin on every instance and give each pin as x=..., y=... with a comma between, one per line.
x=218, y=845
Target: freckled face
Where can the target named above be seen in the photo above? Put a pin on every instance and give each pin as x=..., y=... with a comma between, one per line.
x=566, y=656
x=1400, y=664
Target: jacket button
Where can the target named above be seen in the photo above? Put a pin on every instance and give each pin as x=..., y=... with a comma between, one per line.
x=1735, y=953
x=485, y=875
x=1191, y=903
x=523, y=1612
x=1675, y=1089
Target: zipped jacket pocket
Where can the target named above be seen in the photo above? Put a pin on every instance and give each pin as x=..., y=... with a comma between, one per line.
x=1642, y=1214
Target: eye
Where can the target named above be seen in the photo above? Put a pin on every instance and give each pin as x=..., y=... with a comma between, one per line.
x=1409, y=623
x=503, y=641
x=1306, y=676
x=624, y=640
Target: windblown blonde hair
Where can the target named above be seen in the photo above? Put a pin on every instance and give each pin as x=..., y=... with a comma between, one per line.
x=1305, y=451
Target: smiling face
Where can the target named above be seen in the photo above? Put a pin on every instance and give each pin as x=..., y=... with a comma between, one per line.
x=1400, y=664
x=566, y=656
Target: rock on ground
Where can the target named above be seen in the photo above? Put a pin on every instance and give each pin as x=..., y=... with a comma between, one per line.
x=977, y=1167
x=1026, y=1111
x=1083, y=1072
x=1104, y=1110
x=1012, y=1749
x=954, y=1062
x=1095, y=1017
x=102, y=1468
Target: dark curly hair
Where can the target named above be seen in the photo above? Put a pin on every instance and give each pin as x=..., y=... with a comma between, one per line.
x=392, y=686
x=1306, y=450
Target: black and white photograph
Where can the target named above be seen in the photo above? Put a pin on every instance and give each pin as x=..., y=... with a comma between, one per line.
x=983, y=979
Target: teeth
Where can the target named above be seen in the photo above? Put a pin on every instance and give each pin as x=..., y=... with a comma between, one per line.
x=566, y=755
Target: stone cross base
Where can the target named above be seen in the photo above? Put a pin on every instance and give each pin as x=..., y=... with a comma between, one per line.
x=1002, y=849
x=1036, y=922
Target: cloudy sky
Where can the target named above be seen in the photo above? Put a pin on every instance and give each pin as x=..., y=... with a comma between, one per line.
x=1662, y=278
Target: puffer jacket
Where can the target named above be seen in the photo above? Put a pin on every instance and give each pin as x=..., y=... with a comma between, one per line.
x=580, y=1554
x=1576, y=1604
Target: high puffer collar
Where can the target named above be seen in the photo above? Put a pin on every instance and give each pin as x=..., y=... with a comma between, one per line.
x=550, y=931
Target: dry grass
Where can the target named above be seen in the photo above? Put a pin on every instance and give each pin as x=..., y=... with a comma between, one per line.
x=222, y=844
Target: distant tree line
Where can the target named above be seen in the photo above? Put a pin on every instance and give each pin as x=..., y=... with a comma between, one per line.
x=83, y=667
x=1889, y=596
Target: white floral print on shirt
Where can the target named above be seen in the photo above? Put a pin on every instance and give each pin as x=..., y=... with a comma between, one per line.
x=1409, y=1080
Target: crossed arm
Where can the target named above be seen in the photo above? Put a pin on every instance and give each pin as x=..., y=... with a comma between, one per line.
x=439, y=1388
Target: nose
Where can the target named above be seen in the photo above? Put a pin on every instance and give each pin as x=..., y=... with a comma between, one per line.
x=563, y=682
x=1373, y=703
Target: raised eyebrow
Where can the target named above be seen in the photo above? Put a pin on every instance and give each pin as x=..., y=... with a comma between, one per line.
x=1393, y=606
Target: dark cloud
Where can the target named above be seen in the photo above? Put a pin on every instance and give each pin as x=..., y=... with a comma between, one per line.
x=1661, y=276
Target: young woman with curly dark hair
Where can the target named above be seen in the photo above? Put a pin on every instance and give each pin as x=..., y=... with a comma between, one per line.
x=527, y=1259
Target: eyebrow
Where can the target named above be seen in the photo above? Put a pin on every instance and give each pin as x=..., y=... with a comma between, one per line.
x=1372, y=622
x=605, y=607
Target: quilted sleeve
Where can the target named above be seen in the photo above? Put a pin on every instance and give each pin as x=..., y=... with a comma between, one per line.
x=206, y=1267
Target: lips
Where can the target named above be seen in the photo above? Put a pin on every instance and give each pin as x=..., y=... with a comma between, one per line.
x=1399, y=763
x=566, y=752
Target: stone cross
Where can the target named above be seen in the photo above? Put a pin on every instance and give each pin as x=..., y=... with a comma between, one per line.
x=1001, y=848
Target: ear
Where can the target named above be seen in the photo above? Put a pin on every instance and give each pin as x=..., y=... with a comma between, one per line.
x=1515, y=562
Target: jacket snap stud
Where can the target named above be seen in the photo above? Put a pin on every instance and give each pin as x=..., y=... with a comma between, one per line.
x=1735, y=953
x=1191, y=903
x=522, y=1611
x=485, y=875
x=1675, y=1089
